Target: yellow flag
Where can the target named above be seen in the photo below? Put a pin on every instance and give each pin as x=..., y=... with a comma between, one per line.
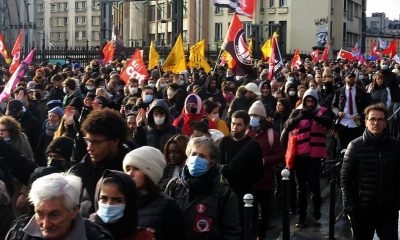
x=153, y=56
x=176, y=61
x=196, y=57
x=266, y=49
x=227, y=58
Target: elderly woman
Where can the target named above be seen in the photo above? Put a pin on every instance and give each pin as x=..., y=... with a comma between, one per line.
x=10, y=131
x=209, y=205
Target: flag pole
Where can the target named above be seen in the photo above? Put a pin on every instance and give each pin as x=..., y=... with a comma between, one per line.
x=159, y=71
x=216, y=62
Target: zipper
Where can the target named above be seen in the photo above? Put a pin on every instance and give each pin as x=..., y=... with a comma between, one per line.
x=380, y=179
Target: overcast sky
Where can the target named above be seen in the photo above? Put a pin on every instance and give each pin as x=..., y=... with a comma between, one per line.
x=390, y=7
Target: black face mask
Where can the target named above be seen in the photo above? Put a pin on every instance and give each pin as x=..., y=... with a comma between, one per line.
x=57, y=163
x=192, y=110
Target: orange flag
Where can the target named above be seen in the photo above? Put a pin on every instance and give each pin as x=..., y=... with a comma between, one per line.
x=296, y=58
x=3, y=49
x=135, y=68
x=108, y=52
x=16, y=53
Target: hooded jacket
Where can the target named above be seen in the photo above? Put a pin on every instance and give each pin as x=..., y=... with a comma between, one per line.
x=184, y=120
x=127, y=225
x=269, y=101
x=153, y=135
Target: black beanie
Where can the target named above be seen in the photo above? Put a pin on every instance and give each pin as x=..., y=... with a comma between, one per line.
x=62, y=146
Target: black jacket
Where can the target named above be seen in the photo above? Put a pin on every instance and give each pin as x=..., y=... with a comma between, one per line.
x=90, y=173
x=370, y=174
x=362, y=100
x=210, y=208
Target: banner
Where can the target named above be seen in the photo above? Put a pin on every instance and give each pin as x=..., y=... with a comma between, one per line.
x=16, y=76
x=108, y=52
x=266, y=49
x=153, y=56
x=325, y=54
x=135, y=68
x=296, y=58
x=322, y=30
x=276, y=62
x=243, y=7
x=3, y=48
x=314, y=55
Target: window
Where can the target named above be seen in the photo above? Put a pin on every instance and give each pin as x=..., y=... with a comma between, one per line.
x=345, y=6
x=40, y=7
x=95, y=20
x=53, y=7
x=160, y=11
x=271, y=3
x=95, y=5
x=217, y=10
x=95, y=35
x=40, y=21
x=261, y=5
x=169, y=10
x=344, y=33
x=247, y=29
x=282, y=3
x=152, y=13
x=350, y=10
x=230, y=10
x=184, y=36
x=271, y=28
x=65, y=21
x=356, y=10
x=83, y=34
x=80, y=6
x=184, y=8
x=218, y=32
x=60, y=22
x=80, y=20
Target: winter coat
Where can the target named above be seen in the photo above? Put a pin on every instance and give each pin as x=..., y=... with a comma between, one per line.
x=210, y=208
x=370, y=175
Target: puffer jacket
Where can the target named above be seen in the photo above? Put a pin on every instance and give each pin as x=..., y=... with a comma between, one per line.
x=370, y=175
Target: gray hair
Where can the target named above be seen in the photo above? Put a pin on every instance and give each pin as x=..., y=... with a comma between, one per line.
x=64, y=185
x=206, y=141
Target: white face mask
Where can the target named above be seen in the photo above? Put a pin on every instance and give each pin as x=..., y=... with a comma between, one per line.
x=159, y=120
x=133, y=90
x=163, y=85
x=6, y=139
x=170, y=94
x=65, y=90
x=292, y=93
x=151, y=85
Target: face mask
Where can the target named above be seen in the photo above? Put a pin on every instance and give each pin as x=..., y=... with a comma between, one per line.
x=159, y=120
x=133, y=90
x=6, y=139
x=67, y=62
x=59, y=164
x=118, y=69
x=191, y=110
x=384, y=67
x=151, y=85
x=90, y=88
x=110, y=213
x=255, y=122
x=197, y=166
x=148, y=98
x=65, y=90
x=181, y=83
x=361, y=77
x=292, y=93
x=291, y=79
x=163, y=85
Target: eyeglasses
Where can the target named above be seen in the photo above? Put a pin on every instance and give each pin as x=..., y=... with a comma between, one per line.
x=376, y=120
x=94, y=143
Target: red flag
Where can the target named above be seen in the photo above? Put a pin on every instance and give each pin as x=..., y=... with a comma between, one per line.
x=275, y=61
x=391, y=50
x=16, y=53
x=247, y=7
x=235, y=44
x=346, y=55
x=3, y=49
x=314, y=55
x=108, y=52
x=325, y=54
x=135, y=68
x=296, y=58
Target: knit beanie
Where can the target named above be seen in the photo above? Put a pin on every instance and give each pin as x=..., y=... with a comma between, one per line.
x=258, y=108
x=58, y=111
x=62, y=146
x=147, y=159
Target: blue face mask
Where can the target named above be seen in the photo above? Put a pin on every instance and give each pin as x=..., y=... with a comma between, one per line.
x=197, y=165
x=148, y=98
x=110, y=213
x=255, y=122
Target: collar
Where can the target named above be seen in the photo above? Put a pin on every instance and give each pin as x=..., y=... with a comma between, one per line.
x=78, y=230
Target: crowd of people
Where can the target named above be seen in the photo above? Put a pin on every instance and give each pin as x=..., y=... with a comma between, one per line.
x=85, y=155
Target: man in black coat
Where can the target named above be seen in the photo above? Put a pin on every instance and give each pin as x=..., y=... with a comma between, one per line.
x=370, y=179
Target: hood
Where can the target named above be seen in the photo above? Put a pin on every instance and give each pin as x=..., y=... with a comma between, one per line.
x=312, y=93
x=128, y=222
x=158, y=103
x=200, y=109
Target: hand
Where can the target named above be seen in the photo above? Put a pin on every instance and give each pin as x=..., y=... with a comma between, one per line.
x=22, y=202
x=20, y=96
x=340, y=114
x=356, y=118
x=69, y=113
x=141, y=117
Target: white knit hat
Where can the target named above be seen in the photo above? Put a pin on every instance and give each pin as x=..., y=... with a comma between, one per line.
x=147, y=159
x=258, y=108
